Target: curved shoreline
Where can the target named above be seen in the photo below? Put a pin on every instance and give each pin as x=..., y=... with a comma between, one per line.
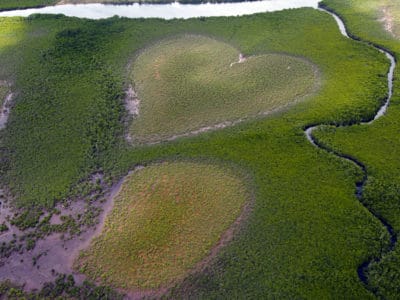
x=308, y=130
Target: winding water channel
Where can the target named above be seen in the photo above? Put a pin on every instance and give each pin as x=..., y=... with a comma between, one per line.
x=362, y=269
x=175, y=10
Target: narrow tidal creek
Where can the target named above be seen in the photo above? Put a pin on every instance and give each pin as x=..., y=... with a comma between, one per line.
x=363, y=268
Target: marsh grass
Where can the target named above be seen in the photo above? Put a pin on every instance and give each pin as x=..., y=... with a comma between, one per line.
x=165, y=219
x=190, y=82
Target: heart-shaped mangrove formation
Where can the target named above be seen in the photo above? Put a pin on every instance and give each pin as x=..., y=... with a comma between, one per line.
x=166, y=220
x=191, y=83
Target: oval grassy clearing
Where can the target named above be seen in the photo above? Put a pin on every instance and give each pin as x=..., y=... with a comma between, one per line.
x=190, y=82
x=165, y=219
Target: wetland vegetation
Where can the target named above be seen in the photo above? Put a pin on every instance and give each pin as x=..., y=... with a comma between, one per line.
x=18, y=4
x=307, y=233
x=165, y=220
x=376, y=145
x=191, y=82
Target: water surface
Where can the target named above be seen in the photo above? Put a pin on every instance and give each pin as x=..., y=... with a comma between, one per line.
x=165, y=11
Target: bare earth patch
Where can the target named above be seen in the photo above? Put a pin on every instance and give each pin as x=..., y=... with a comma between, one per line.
x=241, y=59
x=5, y=103
x=387, y=20
x=55, y=253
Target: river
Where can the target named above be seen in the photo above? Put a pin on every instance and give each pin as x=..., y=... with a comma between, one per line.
x=164, y=11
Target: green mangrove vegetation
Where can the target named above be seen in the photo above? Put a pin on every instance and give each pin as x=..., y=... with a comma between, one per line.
x=190, y=82
x=165, y=220
x=19, y=4
x=307, y=233
x=376, y=145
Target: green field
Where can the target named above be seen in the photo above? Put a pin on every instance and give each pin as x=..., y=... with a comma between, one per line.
x=166, y=218
x=307, y=234
x=191, y=82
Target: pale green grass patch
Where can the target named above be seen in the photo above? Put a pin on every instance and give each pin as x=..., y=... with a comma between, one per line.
x=165, y=219
x=189, y=82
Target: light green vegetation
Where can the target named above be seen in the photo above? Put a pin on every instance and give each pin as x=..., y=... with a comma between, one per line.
x=190, y=82
x=165, y=219
x=376, y=145
x=307, y=233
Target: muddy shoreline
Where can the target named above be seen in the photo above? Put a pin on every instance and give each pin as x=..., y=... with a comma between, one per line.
x=55, y=253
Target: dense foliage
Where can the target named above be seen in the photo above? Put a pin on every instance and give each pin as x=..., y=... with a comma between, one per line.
x=64, y=287
x=18, y=4
x=308, y=233
x=376, y=145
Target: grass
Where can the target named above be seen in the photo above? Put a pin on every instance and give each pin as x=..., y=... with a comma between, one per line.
x=189, y=82
x=307, y=233
x=375, y=145
x=165, y=219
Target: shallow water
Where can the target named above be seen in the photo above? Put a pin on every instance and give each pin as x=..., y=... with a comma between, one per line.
x=165, y=11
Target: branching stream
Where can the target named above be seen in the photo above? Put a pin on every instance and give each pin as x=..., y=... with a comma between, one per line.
x=363, y=268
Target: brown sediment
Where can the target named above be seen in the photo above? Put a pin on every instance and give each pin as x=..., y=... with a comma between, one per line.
x=132, y=103
x=387, y=20
x=6, y=106
x=241, y=59
x=55, y=253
